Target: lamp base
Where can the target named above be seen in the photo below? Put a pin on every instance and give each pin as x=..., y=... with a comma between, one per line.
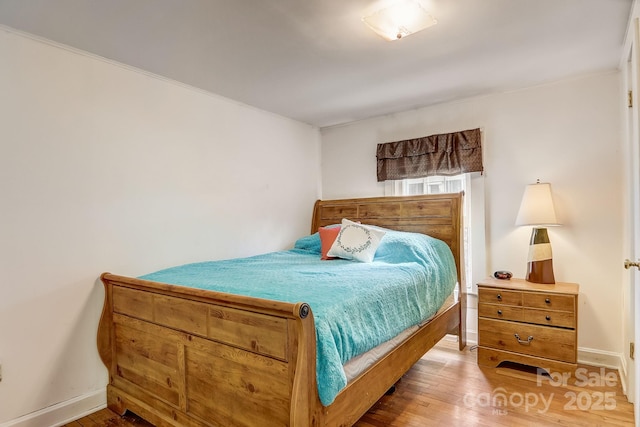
x=540, y=272
x=540, y=261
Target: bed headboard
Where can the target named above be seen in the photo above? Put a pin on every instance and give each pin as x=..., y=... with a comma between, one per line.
x=438, y=215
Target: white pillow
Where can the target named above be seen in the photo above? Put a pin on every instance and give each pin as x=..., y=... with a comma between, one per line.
x=356, y=241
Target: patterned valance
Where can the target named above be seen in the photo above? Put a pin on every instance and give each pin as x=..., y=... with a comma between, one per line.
x=445, y=154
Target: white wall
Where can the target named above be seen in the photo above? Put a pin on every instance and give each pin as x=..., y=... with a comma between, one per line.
x=105, y=168
x=567, y=133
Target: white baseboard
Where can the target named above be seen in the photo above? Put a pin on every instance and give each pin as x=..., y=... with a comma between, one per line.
x=622, y=373
x=605, y=359
x=472, y=337
x=593, y=357
x=62, y=413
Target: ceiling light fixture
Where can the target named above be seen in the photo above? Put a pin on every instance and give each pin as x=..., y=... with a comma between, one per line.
x=400, y=20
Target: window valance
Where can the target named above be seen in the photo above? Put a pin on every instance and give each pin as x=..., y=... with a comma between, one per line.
x=444, y=154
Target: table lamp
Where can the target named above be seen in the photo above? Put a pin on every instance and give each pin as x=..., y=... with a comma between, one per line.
x=537, y=210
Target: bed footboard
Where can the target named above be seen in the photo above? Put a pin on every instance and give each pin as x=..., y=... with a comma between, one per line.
x=187, y=357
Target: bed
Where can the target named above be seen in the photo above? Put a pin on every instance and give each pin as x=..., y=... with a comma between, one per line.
x=188, y=356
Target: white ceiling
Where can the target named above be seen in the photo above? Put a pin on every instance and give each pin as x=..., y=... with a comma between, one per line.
x=315, y=61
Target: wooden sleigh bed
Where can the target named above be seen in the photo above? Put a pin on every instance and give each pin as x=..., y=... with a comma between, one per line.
x=180, y=356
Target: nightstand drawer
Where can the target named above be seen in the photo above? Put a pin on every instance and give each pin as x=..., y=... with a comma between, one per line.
x=499, y=296
x=533, y=340
x=562, y=319
x=549, y=301
x=497, y=311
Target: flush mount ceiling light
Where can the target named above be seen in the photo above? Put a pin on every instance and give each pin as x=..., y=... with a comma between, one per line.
x=402, y=19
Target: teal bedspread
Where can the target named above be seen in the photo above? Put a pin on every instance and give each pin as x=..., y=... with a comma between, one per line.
x=356, y=306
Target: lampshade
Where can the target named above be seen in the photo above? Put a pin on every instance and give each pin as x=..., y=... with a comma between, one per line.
x=537, y=206
x=399, y=20
x=537, y=209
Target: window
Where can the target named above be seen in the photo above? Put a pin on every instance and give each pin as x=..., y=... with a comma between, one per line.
x=433, y=185
x=473, y=225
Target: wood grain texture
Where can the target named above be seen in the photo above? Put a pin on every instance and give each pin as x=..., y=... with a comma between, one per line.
x=552, y=343
x=521, y=284
x=438, y=215
x=528, y=323
x=446, y=387
x=189, y=357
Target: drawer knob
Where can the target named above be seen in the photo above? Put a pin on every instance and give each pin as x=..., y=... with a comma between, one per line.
x=499, y=297
x=500, y=312
x=547, y=300
x=548, y=317
x=523, y=342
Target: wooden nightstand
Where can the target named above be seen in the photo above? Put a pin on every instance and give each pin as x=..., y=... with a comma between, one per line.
x=528, y=323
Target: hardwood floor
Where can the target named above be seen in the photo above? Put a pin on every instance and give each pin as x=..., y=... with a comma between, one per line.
x=446, y=387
